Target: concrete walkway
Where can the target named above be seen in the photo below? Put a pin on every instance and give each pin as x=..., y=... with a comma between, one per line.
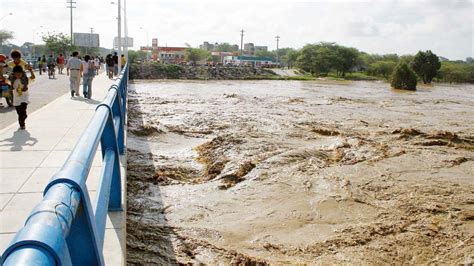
x=29, y=158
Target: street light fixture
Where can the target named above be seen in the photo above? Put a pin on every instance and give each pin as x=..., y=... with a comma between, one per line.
x=9, y=14
x=147, y=39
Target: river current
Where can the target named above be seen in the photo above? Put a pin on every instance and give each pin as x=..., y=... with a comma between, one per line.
x=276, y=172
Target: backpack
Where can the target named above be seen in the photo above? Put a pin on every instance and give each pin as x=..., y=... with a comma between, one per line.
x=90, y=69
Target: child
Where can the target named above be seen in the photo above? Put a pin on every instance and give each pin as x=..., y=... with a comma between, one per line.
x=19, y=82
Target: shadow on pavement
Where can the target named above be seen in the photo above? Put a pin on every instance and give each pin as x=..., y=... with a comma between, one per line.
x=19, y=139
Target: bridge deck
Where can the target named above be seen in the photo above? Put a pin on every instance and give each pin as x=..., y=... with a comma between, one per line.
x=29, y=158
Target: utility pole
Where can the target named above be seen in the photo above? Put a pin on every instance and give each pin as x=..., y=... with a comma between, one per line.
x=241, y=44
x=71, y=6
x=278, y=55
x=126, y=28
x=90, y=40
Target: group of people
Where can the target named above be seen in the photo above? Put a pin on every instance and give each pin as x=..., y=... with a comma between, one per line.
x=50, y=63
x=17, y=80
x=111, y=64
x=86, y=68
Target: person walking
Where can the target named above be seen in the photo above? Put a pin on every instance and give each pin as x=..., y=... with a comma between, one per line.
x=115, y=57
x=60, y=60
x=73, y=68
x=51, y=63
x=20, y=81
x=109, y=61
x=88, y=73
x=97, y=65
x=123, y=61
x=40, y=65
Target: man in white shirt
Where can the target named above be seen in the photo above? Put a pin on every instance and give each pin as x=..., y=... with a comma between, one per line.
x=74, y=72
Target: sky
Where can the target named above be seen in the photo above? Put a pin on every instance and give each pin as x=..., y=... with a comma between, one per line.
x=381, y=26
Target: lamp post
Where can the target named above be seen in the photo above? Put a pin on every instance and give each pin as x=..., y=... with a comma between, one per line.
x=125, y=24
x=34, y=44
x=147, y=39
x=9, y=14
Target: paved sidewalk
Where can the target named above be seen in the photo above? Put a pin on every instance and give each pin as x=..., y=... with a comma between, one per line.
x=29, y=158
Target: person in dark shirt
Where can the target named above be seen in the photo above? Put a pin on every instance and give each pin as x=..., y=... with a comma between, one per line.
x=115, y=57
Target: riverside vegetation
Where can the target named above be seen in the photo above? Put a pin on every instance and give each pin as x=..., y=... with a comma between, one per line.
x=320, y=60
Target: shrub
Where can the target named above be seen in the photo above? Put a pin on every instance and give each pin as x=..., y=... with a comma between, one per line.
x=403, y=77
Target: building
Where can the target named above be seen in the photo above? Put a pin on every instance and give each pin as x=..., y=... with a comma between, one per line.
x=208, y=46
x=261, y=48
x=254, y=61
x=170, y=55
x=249, y=49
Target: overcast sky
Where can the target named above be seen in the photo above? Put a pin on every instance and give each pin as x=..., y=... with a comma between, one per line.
x=381, y=26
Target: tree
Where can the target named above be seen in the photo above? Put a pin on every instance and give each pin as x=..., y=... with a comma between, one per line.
x=290, y=58
x=195, y=54
x=261, y=53
x=58, y=43
x=136, y=56
x=382, y=68
x=403, y=77
x=5, y=36
x=426, y=65
x=316, y=58
x=345, y=59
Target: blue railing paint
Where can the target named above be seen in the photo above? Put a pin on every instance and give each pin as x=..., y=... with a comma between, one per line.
x=65, y=228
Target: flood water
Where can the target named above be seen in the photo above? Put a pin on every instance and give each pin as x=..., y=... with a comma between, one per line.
x=276, y=172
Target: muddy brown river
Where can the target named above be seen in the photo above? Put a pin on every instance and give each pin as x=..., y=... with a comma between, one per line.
x=287, y=172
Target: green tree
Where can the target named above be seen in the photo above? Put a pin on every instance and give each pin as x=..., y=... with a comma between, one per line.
x=316, y=58
x=271, y=54
x=426, y=65
x=345, y=59
x=5, y=36
x=136, y=56
x=290, y=58
x=382, y=68
x=456, y=72
x=58, y=43
x=403, y=77
x=195, y=54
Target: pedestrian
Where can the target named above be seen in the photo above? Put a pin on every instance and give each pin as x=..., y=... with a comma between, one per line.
x=43, y=63
x=20, y=81
x=51, y=63
x=16, y=60
x=115, y=57
x=88, y=73
x=40, y=65
x=73, y=68
x=124, y=61
x=109, y=61
x=60, y=60
x=97, y=65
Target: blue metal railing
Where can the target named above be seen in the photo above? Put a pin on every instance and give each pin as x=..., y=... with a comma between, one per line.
x=65, y=228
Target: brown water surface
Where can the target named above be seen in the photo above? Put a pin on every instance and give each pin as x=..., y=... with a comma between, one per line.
x=299, y=172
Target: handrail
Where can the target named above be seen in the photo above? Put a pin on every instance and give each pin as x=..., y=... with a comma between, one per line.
x=65, y=228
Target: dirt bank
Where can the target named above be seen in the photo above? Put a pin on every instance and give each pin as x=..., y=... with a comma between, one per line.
x=276, y=172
